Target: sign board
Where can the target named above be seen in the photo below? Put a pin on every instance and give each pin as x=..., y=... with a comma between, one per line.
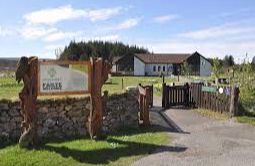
x=209, y=89
x=64, y=77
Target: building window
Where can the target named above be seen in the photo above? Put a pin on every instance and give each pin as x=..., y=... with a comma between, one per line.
x=154, y=68
x=164, y=68
x=159, y=68
x=203, y=63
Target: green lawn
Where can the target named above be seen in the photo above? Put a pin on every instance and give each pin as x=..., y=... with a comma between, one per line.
x=9, y=89
x=114, y=84
x=246, y=119
x=123, y=148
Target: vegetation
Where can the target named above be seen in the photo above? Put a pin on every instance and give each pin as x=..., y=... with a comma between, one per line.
x=243, y=76
x=212, y=114
x=10, y=89
x=121, y=148
x=106, y=50
x=216, y=67
x=186, y=68
x=246, y=119
x=114, y=84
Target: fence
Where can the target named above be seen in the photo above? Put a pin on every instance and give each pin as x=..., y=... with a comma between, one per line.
x=175, y=95
x=145, y=102
x=200, y=96
x=223, y=99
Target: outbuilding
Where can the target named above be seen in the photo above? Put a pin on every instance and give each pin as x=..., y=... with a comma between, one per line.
x=171, y=64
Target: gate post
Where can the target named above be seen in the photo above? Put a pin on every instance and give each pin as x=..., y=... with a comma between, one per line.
x=234, y=101
x=186, y=94
x=99, y=75
x=146, y=113
x=27, y=71
x=164, y=95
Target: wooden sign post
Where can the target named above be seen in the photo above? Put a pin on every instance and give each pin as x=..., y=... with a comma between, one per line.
x=60, y=78
x=27, y=72
x=100, y=71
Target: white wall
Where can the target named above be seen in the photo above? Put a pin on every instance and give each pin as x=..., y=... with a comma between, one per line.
x=139, y=67
x=114, y=68
x=205, y=67
x=149, y=69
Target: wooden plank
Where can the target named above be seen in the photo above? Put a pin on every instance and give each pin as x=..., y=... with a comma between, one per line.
x=142, y=90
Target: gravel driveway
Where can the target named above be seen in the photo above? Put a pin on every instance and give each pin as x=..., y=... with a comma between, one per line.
x=209, y=142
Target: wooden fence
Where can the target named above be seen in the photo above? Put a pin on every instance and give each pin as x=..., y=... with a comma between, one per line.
x=175, y=95
x=197, y=95
x=145, y=99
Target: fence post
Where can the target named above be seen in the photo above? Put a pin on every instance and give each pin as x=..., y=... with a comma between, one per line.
x=104, y=102
x=164, y=95
x=146, y=113
x=186, y=94
x=234, y=101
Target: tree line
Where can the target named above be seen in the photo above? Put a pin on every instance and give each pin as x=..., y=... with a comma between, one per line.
x=106, y=50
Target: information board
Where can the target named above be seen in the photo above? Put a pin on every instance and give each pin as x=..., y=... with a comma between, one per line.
x=64, y=77
x=209, y=89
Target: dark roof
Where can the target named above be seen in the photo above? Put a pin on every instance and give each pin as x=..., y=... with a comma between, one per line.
x=116, y=59
x=162, y=58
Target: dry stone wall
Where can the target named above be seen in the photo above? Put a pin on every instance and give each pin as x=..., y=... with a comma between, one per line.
x=64, y=118
x=122, y=111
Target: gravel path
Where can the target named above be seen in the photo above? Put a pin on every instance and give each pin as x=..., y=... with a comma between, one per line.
x=209, y=142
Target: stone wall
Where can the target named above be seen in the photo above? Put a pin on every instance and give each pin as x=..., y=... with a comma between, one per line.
x=63, y=118
x=122, y=110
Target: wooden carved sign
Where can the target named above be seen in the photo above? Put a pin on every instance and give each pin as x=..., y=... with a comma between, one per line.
x=64, y=77
x=60, y=78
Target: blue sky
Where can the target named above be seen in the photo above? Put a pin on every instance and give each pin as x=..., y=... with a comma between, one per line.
x=213, y=28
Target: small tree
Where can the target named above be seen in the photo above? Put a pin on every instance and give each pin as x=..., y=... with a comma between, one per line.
x=216, y=69
x=186, y=68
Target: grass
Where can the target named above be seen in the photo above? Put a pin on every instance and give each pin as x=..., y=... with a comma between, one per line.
x=9, y=89
x=114, y=84
x=121, y=148
x=246, y=119
x=212, y=114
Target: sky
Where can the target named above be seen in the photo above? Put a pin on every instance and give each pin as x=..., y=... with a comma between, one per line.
x=213, y=28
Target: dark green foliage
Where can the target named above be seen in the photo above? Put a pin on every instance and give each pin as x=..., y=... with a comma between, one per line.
x=85, y=50
x=228, y=61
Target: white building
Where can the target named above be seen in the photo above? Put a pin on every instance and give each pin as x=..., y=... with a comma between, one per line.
x=170, y=64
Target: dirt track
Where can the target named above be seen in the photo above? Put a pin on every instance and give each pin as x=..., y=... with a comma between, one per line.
x=208, y=142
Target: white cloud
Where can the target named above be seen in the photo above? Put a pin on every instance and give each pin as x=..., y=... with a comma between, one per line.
x=113, y=37
x=165, y=18
x=59, y=35
x=129, y=23
x=126, y=24
x=46, y=34
x=108, y=37
x=54, y=15
x=35, y=32
x=103, y=14
x=219, y=31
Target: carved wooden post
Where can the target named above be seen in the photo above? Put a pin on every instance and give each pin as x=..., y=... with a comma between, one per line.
x=234, y=101
x=27, y=71
x=146, y=113
x=99, y=75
